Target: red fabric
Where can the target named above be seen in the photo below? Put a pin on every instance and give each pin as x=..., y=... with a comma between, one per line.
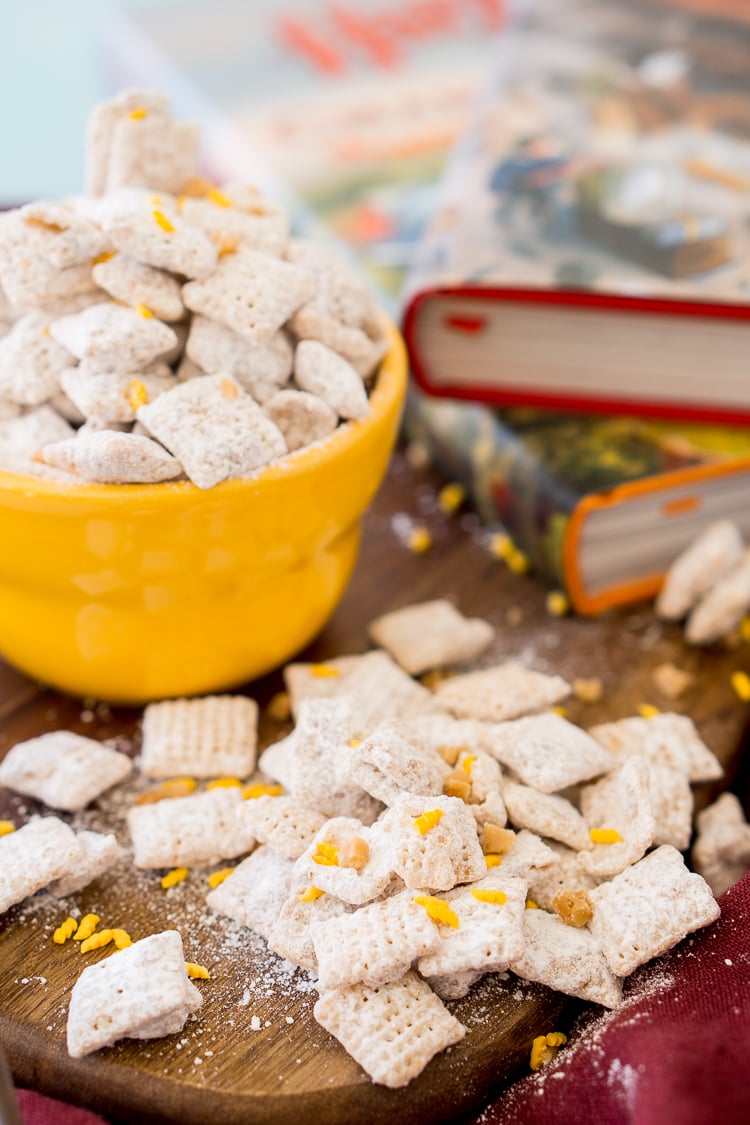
x=38, y=1110
x=677, y=1052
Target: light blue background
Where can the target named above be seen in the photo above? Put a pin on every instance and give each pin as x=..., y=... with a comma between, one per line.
x=51, y=73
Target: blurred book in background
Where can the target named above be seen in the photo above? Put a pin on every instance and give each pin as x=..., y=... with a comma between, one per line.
x=600, y=505
x=591, y=247
x=345, y=111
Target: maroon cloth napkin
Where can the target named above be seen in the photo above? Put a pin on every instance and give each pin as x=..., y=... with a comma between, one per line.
x=677, y=1052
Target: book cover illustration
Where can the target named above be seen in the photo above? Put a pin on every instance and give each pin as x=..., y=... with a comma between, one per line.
x=529, y=471
x=348, y=109
x=610, y=153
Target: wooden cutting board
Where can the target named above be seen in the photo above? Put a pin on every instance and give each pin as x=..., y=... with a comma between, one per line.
x=256, y=1054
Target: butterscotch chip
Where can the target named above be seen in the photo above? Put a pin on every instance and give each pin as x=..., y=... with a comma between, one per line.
x=354, y=853
x=671, y=680
x=457, y=785
x=497, y=840
x=574, y=907
x=279, y=707
x=588, y=689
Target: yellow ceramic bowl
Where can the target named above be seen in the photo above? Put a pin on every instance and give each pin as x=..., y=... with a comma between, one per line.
x=135, y=592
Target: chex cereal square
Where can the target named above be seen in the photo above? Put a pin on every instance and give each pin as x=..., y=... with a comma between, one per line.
x=430, y=635
x=143, y=992
x=33, y=856
x=566, y=959
x=255, y=892
x=504, y=691
x=393, y=1030
x=63, y=769
x=191, y=831
x=212, y=736
x=547, y=752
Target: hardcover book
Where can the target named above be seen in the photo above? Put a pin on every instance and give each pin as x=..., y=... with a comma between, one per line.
x=591, y=248
x=601, y=505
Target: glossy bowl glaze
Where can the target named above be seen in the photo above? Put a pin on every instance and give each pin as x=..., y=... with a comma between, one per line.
x=129, y=593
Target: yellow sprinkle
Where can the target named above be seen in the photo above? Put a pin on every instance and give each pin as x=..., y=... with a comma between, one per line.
x=279, y=707
x=324, y=671
x=86, y=927
x=419, y=540
x=497, y=898
x=97, y=941
x=121, y=938
x=64, y=931
x=218, y=877
x=354, y=743
x=226, y=245
x=557, y=603
x=561, y=711
x=745, y=629
x=451, y=497
x=468, y=762
x=438, y=909
x=180, y=203
x=531, y=905
x=174, y=787
x=218, y=197
x=197, y=972
x=161, y=220
x=605, y=836
x=145, y=311
x=229, y=388
x=105, y=257
x=647, y=710
x=327, y=855
x=225, y=783
x=545, y=1047
x=250, y=792
x=518, y=562
x=492, y=859
x=427, y=821
x=138, y=113
x=310, y=894
x=137, y=395
x=6, y=827
x=741, y=684
x=501, y=546
x=173, y=877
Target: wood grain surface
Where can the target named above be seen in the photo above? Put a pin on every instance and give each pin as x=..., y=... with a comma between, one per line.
x=256, y=1054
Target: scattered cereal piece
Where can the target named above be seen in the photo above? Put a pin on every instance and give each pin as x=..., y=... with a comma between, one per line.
x=648, y=908
x=393, y=1030
x=448, y=853
x=723, y=607
x=173, y=877
x=97, y=853
x=64, y=931
x=191, y=831
x=721, y=852
x=260, y=369
x=207, y=737
x=715, y=552
x=566, y=959
x=86, y=927
x=139, y=285
x=143, y=992
x=547, y=752
x=504, y=691
x=430, y=635
x=618, y=806
x=256, y=891
x=197, y=972
x=545, y=814
x=392, y=760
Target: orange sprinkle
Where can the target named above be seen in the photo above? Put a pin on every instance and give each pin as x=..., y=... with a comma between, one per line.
x=493, y=859
x=741, y=684
x=250, y=792
x=64, y=931
x=427, y=821
x=545, y=1047
x=324, y=671
x=161, y=220
x=419, y=540
x=468, y=762
x=218, y=877
x=218, y=197
x=531, y=905
x=438, y=909
x=486, y=894
x=225, y=783
x=105, y=257
x=173, y=877
x=121, y=938
x=327, y=855
x=605, y=836
x=648, y=710
x=311, y=894
x=229, y=388
x=6, y=827
x=138, y=113
x=137, y=395
x=354, y=743
x=97, y=941
x=86, y=927
x=174, y=787
x=451, y=497
x=145, y=311
x=197, y=972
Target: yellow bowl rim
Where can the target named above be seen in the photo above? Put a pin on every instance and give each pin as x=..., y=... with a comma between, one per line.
x=389, y=387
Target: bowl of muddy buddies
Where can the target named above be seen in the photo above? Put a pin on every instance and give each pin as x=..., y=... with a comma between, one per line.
x=196, y=409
